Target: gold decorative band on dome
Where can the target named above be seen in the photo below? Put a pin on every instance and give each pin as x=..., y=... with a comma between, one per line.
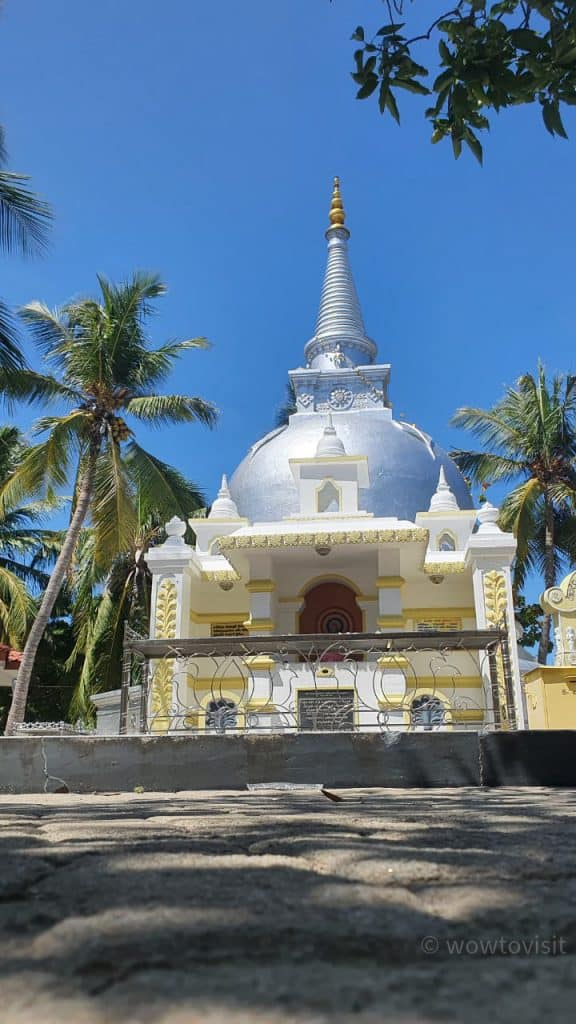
x=336, y=216
x=297, y=540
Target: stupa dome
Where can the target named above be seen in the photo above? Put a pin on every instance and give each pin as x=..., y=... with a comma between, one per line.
x=404, y=464
x=341, y=378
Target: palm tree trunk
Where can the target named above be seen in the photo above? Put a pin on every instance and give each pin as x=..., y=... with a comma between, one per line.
x=549, y=576
x=63, y=562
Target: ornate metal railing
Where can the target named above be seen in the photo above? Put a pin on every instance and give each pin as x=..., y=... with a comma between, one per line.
x=422, y=681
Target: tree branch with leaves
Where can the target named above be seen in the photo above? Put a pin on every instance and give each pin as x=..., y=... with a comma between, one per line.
x=490, y=56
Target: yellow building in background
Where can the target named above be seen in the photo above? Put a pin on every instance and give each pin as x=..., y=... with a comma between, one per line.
x=551, y=689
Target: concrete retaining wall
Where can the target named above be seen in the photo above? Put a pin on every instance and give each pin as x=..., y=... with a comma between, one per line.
x=336, y=760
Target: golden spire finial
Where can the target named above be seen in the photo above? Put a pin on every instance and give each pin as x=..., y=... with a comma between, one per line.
x=336, y=215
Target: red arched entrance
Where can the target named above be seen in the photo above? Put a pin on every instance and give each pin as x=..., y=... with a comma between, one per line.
x=330, y=608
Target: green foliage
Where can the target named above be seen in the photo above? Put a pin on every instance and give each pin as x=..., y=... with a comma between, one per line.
x=530, y=440
x=529, y=616
x=102, y=612
x=26, y=549
x=490, y=56
x=288, y=407
x=101, y=367
x=100, y=362
x=24, y=220
x=52, y=683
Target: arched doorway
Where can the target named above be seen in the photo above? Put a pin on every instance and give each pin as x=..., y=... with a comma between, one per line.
x=330, y=607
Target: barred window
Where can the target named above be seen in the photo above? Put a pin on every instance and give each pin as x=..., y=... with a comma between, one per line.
x=427, y=712
x=221, y=715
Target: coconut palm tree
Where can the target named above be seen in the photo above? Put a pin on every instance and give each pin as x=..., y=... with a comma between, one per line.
x=26, y=548
x=100, y=618
x=24, y=220
x=104, y=366
x=530, y=439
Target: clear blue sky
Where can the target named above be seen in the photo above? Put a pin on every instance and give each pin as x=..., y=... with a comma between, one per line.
x=199, y=138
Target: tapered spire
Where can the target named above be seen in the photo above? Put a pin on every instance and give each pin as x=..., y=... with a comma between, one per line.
x=336, y=216
x=443, y=500
x=224, y=507
x=330, y=444
x=340, y=338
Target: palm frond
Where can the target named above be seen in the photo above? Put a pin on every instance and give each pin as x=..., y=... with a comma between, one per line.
x=485, y=468
x=113, y=510
x=24, y=217
x=160, y=488
x=102, y=663
x=24, y=385
x=157, y=364
x=158, y=410
x=518, y=515
x=490, y=428
x=45, y=467
x=11, y=357
x=16, y=607
x=48, y=327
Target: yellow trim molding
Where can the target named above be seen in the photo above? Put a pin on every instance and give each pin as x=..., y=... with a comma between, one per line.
x=295, y=540
x=399, y=661
x=210, y=617
x=453, y=682
x=260, y=586
x=440, y=613
x=389, y=582
x=260, y=661
x=390, y=621
x=468, y=715
x=260, y=625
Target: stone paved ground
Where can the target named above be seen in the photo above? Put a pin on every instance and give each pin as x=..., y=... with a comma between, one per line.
x=288, y=908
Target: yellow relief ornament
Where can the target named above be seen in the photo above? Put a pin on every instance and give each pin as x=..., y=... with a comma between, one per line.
x=161, y=699
x=496, y=608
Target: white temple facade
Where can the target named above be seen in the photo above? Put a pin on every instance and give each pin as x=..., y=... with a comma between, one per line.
x=343, y=523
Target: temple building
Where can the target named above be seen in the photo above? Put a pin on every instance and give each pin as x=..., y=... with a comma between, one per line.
x=345, y=524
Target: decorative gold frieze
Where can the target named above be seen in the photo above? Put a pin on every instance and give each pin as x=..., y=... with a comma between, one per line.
x=219, y=576
x=443, y=568
x=295, y=540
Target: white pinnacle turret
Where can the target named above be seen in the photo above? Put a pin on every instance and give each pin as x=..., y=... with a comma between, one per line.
x=340, y=337
x=443, y=499
x=330, y=444
x=224, y=507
